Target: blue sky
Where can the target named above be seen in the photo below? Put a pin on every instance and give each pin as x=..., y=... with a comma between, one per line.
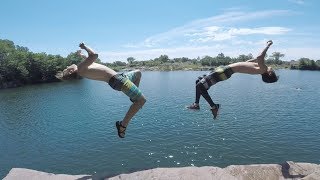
x=145, y=29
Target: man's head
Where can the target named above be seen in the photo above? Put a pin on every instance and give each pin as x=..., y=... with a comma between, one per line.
x=269, y=76
x=69, y=73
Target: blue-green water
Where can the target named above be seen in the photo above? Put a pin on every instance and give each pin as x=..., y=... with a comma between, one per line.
x=69, y=127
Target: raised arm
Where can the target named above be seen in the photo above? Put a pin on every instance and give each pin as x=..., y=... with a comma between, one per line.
x=85, y=47
x=92, y=56
x=260, y=58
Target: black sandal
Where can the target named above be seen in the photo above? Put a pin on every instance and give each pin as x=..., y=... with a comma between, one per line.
x=122, y=133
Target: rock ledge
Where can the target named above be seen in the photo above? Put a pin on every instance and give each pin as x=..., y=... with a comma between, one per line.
x=288, y=170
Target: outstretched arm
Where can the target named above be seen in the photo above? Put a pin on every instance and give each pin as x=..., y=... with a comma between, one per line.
x=88, y=60
x=260, y=58
x=89, y=50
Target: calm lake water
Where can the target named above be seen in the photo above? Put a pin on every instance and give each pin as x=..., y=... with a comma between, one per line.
x=69, y=127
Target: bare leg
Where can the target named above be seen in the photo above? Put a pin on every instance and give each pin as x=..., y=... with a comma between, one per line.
x=134, y=108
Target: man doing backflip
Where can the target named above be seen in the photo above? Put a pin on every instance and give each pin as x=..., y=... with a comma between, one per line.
x=128, y=83
x=252, y=66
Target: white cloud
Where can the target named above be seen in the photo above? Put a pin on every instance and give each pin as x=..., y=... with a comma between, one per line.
x=300, y=2
x=236, y=8
x=183, y=51
x=261, y=30
x=221, y=33
x=215, y=33
x=208, y=26
x=191, y=52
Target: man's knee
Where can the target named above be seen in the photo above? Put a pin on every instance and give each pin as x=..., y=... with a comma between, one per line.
x=138, y=74
x=201, y=87
x=199, y=84
x=141, y=100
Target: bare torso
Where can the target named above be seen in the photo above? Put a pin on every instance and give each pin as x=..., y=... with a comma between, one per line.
x=96, y=72
x=247, y=67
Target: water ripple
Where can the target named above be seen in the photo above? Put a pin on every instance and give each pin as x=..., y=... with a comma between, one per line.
x=69, y=127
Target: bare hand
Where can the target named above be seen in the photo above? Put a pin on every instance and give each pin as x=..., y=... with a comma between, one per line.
x=269, y=43
x=82, y=45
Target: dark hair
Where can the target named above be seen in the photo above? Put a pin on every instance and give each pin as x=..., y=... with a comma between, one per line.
x=269, y=78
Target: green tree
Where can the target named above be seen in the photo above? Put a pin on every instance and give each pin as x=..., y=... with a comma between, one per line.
x=303, y=63
x=206, y=61
x=276, y=57
x=313, y=65
x=119, y=63
x=20, y=66
x=243, y=57
x=163, y=59
x=130, y=60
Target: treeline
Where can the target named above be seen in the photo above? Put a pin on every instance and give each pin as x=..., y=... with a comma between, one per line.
x=180, y=63
x=274, y=60
x=19, y=66
x=306, y=64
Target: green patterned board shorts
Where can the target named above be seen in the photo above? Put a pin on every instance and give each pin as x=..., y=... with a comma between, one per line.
x=124, y=82
x=220, y=73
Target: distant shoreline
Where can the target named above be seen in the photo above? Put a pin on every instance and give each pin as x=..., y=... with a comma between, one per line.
x=16, y=84
x=20, y=67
